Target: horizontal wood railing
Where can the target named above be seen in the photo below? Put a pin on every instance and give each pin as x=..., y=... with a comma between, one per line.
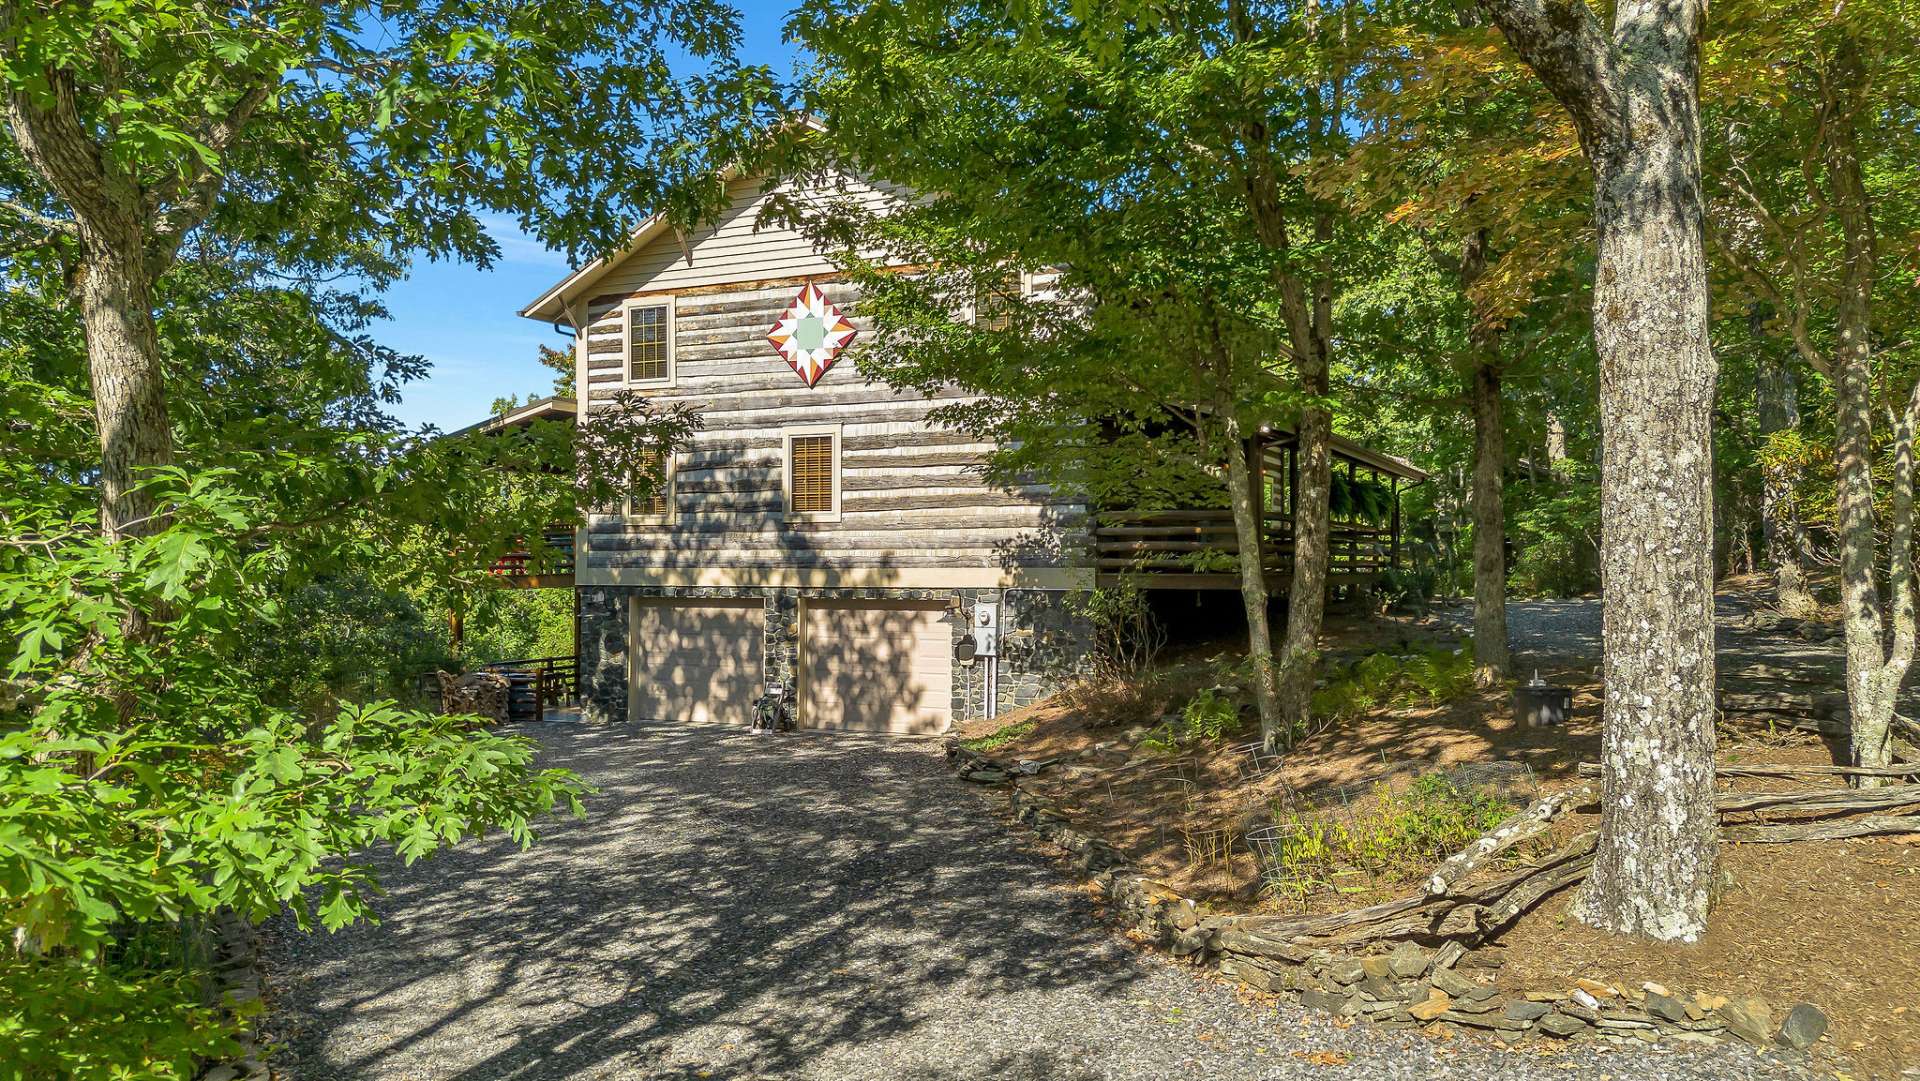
x=538, y=684
x=550, y=554
x=1189, y=542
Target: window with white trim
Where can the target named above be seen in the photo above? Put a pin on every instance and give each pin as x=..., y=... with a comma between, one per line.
x=650, y=498
x=813, y=472
x=647, y=336
x=995, y=298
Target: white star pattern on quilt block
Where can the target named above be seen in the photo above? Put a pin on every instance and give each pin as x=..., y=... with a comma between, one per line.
x=811, y=333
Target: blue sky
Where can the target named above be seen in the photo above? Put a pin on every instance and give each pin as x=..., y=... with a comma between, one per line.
x=461, y=318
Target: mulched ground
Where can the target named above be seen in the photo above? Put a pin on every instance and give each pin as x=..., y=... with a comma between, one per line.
x=1832, y=923
x=805, y=906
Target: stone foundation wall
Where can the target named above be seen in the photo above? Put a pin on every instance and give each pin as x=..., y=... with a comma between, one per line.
x=1044, y=641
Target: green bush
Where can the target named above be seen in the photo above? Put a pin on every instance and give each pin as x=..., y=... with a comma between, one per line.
x=1425, y=676
x=1310, y=853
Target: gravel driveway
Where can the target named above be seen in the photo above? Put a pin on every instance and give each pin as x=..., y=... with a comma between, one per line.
x=804, y=906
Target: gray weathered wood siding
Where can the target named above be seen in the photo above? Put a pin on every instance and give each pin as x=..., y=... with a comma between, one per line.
x=911, y=495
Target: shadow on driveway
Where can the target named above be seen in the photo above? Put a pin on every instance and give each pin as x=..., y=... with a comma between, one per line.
x=732, y=904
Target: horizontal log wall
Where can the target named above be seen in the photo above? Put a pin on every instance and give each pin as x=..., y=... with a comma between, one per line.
x=911, y=494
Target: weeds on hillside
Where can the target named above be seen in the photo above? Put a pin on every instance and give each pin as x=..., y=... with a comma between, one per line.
x=1000, y=737
x=1425, y=676
x=1341, y=850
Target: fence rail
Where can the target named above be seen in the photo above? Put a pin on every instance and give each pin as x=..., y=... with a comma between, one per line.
x=1205, y=542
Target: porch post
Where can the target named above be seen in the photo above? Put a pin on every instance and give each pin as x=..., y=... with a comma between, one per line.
x=1393, y=530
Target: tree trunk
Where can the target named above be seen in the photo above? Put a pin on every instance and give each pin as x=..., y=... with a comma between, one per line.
x=1253, y=578
x=1633, y=93
x=1658, y=836
x=1307, y=590
x=1776, y=398
x=115, y=297
x=1875, y=666
x=1491, y=660
x=1556, y=446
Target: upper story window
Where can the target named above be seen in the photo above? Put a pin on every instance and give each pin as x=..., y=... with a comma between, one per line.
x=813, y=472
x=995, y=298
x=651, y=497
x=648, y=337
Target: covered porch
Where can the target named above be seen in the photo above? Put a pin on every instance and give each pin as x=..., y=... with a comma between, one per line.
x=1198, y=548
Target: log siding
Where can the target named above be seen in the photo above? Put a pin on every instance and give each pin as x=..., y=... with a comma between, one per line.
x=911, y=497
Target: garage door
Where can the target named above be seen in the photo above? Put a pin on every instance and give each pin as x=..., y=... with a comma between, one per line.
x=877, y=666
x=696, y=662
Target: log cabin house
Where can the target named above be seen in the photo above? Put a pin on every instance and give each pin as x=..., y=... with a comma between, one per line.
x=819, y=532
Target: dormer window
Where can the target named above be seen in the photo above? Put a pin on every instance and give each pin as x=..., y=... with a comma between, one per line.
x=648, y=337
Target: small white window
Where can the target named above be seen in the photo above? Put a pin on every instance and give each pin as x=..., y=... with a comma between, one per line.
x=656, y=504
x=812, y=475
x=647, y=337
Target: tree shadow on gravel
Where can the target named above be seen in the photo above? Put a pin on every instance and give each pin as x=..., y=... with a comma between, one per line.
x=733, y=906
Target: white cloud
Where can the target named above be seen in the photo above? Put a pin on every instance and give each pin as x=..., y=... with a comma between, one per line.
x=518, y=247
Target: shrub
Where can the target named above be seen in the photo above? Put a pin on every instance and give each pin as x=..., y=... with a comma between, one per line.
x=1425, y=676
x=1307, y=853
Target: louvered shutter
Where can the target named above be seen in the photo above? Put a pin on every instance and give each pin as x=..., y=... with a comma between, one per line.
x=812, y=477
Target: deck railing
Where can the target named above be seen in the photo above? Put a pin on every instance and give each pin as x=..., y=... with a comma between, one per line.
x=550, y=554
x=1205, y=542
x=538, y=684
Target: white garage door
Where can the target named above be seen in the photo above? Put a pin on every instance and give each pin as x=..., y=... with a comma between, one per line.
x=696, y=662
x=877, y=666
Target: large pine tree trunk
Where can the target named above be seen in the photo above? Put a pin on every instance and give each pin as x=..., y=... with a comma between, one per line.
x=1658, y=835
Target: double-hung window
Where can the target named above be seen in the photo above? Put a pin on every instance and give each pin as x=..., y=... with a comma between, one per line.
x=648, y=342
x=650, y=497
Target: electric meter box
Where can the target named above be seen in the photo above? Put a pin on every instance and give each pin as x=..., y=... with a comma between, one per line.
x=986, y=628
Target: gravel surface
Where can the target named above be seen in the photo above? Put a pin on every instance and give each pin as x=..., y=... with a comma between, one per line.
x=1570, y=631
x=805, y=906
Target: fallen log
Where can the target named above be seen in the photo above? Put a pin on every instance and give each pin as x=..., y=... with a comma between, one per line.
x=1528, y=824
x=1839, y=829
x=1822, y=799
x=1592, y=769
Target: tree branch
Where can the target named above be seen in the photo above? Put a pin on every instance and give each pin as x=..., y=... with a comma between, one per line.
x=192, y=197
x=30, y=216
x=1567, y=48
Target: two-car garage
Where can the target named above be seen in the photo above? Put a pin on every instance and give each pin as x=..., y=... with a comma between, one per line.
x=863, y=665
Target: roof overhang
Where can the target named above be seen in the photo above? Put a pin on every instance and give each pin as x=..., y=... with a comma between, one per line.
x=1348, y=449
x=555, y=408
x=553, y=305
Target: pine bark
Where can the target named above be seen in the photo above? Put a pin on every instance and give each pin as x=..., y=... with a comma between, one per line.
x=1633, y=95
